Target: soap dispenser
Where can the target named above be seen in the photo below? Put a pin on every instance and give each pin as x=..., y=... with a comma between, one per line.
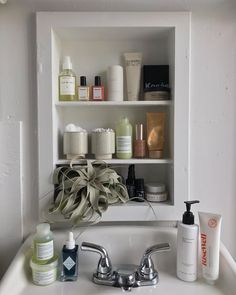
x=69, y=270
x=187, y=246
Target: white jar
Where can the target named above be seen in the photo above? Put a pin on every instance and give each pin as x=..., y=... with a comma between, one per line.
x=75, y=144
x=115, y=83
x=103, y=143
x=44, y=274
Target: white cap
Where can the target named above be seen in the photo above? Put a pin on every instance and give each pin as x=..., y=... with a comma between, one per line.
x=43, y=229
x=67, y=65
x=70, y=242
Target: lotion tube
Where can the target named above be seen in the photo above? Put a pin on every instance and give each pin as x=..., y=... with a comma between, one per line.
x=210, y=225
x=133, y=62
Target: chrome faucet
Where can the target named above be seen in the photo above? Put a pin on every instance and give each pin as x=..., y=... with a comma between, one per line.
x=126, y=276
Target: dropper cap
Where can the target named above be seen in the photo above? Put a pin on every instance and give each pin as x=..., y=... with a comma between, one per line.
x=188, y=217
x=139, y=132
x=131, y=172
x=70, y=242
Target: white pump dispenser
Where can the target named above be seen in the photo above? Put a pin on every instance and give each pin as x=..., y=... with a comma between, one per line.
x=187, y=246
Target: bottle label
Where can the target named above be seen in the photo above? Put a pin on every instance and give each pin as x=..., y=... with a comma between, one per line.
x=67, y=85
x=97, y=93
x=44, y=251
x=44, y=277
x=123, y=144
x=83, y=93
x=69, y=263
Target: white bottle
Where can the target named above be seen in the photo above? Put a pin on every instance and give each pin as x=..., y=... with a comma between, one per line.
x=187, y=246
x=115, y=83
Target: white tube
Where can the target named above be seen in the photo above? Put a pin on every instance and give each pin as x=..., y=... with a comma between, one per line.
x=210, y=225
x=133, y=74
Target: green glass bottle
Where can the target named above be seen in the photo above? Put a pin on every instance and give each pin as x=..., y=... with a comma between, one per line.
x=67, y=82
x=124, y=139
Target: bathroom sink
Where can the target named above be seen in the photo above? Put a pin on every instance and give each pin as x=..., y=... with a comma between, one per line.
x=124, y=244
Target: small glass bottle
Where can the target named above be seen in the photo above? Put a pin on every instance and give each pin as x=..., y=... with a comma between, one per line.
x=139, y=142
x=139, y=190
x=43, y=244
x=83, y=89
x=98, y=90
x=67, y=81
x=130, y=182
x=69, y=271
x=124, y=139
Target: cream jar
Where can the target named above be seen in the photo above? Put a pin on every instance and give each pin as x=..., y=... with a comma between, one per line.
x=103, y=143
x=44, y=274
x=155, y=192
x=75, y=142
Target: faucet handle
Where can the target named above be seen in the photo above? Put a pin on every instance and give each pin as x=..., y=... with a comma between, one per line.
x=146, y=268
x=104, y=268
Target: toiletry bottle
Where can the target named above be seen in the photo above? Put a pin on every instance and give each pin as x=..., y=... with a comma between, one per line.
x=124, y=139
x=139, y=190
x=130, y=182
x=69, y=270
x=67, y=81
x=187, y=246
x=98, y=89
x=139, y=142
x=43, y=244
x=83, y=89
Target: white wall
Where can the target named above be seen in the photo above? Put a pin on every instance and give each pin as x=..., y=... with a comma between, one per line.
x=213, y=98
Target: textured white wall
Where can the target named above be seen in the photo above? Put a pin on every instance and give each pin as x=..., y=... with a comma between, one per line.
x=213, y=95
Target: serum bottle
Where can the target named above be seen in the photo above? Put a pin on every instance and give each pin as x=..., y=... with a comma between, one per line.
x=67, y=81
x=69, y=270
x=187, y=246
x=98, y=89
x=139, y=142
x=130, y=181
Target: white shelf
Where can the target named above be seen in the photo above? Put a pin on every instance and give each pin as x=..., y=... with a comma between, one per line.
x=139, y=103
x=96, y=40
x=119, y=161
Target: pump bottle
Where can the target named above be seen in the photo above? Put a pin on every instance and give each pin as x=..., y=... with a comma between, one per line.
x=187, y=246
x=67, y=81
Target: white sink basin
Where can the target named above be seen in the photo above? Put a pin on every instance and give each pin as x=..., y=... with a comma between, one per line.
x=125, y=244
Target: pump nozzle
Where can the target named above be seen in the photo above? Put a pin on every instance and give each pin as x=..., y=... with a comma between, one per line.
x=188, y=217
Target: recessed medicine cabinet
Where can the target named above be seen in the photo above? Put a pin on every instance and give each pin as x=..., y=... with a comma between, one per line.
x=94, y=41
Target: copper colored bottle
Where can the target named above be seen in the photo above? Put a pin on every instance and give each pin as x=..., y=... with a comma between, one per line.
x=139, y=142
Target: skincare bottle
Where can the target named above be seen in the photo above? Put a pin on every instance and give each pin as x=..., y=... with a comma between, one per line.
x=130, y=181
x=187, y=246
x=139, y=142
x=43, y=244
x=67, y=81
x=139, y=190
x=98, y=89
x=124, y=139
x=83, y=89
x=69, y=270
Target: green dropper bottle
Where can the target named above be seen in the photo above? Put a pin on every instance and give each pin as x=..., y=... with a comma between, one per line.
x=124, y=139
